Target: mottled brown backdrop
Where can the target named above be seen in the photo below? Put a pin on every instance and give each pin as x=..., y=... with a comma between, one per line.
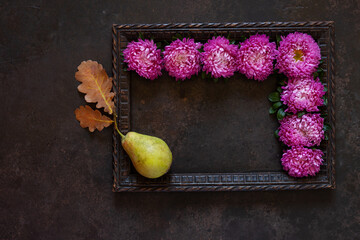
x=56, y=178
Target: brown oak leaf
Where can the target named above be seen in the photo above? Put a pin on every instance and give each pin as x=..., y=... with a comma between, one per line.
x=92, y=119
x=96, y=84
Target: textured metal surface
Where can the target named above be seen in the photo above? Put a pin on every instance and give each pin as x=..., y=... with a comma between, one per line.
x=56, y=178
x=254, y=179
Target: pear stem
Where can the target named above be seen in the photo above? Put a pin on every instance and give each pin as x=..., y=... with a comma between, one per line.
x=116, y=127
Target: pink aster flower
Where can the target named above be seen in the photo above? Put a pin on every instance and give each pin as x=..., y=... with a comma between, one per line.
x=299, y=55
x=304, y=131
x=144, y=58
x=182, y=58
x=256, y=57
x=303, y=94
x=219, y=57
x=302, y=162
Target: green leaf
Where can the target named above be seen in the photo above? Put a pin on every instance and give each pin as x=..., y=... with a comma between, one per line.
x=278, y=39
x=326, y=137
x=141, y=35
x=300, y=114
x=274, y=97
x=320, y=72
x=272, y=110
x=325, y=89
x=280, y=114
x=158, y=45
x=325, y=101
x=203, y=75
x=316, y=74
x=243, y=38
x=216, y=80
x=279, y=89
x=276, y=133
x=232, y=42
x=277, y=105
x=326, y=127
x=125, y=69
x=323, y=115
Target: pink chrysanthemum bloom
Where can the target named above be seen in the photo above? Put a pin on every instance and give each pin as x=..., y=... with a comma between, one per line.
x=303, y=94
x=304, y=131
x=302, y=162
x=256, y=57
x=219, y=57
x=182, y=58
x=144, y=58
x=298, y=56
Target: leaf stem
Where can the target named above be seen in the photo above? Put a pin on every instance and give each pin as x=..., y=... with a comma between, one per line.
x=116, y=127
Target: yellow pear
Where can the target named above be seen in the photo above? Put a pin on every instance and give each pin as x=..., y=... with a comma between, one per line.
x=150, y=156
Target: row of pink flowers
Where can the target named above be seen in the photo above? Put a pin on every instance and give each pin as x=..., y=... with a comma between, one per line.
x=298, y=58
x=298, y=55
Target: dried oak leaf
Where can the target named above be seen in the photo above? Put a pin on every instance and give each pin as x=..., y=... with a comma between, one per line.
x=96, y=84
x=92, y=119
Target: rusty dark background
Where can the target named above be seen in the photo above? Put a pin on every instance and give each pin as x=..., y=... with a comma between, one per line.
x=56, y=177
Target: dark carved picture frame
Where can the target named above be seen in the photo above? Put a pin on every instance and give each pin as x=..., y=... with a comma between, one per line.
x=125, y=180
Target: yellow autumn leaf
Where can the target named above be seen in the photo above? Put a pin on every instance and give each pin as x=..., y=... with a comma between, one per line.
x=96, y=84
